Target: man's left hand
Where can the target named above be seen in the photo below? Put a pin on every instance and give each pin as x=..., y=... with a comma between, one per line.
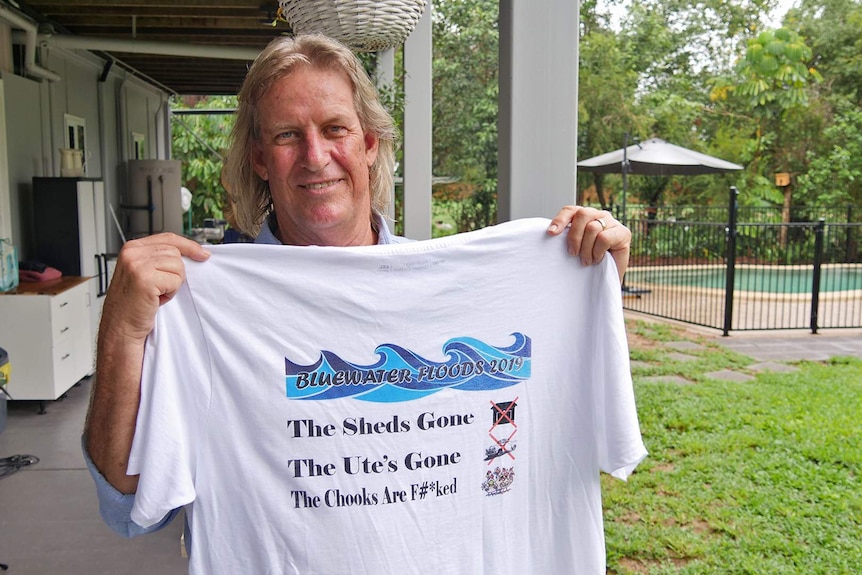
x=591, y=234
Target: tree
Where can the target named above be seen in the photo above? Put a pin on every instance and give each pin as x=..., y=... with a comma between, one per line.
x=200, y=142
x=680, y=44
x=606, y=108
x=834, y=29
x=465, y=68
x=834, y=178
x=833, y=175
x=651, y=78
x=772, y=84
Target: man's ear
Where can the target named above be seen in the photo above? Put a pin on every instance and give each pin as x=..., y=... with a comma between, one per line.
x=372, y=145
x=258, y=162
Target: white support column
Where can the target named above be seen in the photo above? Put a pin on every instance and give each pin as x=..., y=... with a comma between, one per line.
x=385, y=78
x=538, y=115
x=417, y=129
x=385, y=68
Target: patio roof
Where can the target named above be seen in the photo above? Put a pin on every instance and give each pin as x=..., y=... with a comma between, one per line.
x=234, y=27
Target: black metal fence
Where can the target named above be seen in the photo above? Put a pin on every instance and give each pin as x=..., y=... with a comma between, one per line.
x=747, y=272
x=752, y=214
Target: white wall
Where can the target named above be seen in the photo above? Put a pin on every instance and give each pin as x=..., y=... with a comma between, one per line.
x=77, y=95
x=34, y=132
x=24, y=153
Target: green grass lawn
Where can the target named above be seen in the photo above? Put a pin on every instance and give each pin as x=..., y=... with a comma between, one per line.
x=756, y=477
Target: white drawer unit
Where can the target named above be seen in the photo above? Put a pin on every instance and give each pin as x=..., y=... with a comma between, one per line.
x=45, y=328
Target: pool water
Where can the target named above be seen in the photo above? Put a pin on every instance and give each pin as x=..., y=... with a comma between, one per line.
x=769, y=280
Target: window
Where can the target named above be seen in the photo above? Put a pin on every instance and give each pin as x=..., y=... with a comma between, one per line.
x=139, y=148
x=75, y=139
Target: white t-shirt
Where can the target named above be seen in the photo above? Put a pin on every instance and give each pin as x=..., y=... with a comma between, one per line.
x=442, y=406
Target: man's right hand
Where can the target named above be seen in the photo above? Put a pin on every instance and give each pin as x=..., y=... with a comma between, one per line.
x=149, y=272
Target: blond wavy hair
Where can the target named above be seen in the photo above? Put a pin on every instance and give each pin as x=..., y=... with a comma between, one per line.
x=249, y=193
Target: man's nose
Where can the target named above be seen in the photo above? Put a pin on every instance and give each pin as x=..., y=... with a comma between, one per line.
x=316, y=153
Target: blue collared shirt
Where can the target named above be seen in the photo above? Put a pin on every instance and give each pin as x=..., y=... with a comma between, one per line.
x=384, y=236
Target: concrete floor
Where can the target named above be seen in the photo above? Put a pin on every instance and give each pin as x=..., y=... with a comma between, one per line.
x=49, y=516
x=765, y=346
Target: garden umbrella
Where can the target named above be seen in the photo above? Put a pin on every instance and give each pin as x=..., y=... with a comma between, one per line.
x=655, y=157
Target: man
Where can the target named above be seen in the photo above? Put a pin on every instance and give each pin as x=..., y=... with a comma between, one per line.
x=311, y=164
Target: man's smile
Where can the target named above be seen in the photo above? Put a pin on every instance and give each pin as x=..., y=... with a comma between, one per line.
x=320, y=185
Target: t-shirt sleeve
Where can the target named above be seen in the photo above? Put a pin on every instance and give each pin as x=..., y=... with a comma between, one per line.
x=175, y=394
x=620, y=445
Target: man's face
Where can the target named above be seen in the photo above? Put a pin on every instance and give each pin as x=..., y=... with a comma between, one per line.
x=316, y=158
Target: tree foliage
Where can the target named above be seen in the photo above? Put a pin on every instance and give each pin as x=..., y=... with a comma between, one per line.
x=834, y=32
x=606, y=110
x=200, y=142
x=772, y=83
x=834, y=177
x=464, y=109
x=773, y=76
x=712, y=76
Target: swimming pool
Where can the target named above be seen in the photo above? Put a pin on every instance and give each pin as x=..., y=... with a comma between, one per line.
x=764, y=279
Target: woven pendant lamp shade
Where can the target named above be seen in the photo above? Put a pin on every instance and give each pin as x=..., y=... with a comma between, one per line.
x=363, y=25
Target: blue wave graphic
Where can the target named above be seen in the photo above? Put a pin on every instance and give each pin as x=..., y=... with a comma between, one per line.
x=402, y=375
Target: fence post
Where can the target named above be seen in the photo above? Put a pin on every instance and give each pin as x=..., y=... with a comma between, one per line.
x=819, y=232
x=730, y=258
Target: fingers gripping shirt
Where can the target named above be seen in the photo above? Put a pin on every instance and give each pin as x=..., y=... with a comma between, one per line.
x=439, y=407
